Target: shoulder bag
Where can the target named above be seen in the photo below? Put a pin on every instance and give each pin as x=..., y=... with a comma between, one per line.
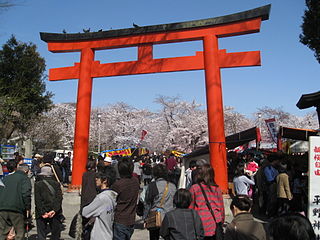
x=57, y=178
x=219, y=228
x=51, y=189
x=154, y=218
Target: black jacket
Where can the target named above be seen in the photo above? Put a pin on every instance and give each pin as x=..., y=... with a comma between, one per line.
x=47, y=199
x=182, y=224
x=88, y=190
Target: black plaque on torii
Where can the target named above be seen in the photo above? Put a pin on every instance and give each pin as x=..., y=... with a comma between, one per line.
x=310, y=100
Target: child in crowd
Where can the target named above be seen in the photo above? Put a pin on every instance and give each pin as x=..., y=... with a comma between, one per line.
x=182, y=222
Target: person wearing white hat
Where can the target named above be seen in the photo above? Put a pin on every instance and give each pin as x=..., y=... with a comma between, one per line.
x=35, y=165
x=107, y=161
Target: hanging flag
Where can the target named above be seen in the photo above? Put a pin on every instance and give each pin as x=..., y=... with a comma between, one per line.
x=258, y=135
x=143, y=134
x=271, y=124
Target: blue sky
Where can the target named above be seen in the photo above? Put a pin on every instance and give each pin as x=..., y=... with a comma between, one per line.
x=288, y=69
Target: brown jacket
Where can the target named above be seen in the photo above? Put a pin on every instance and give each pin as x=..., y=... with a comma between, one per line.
x=283, y=187
x=244, y=227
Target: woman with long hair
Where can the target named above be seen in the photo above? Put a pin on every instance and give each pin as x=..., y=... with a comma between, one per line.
x=207, y=199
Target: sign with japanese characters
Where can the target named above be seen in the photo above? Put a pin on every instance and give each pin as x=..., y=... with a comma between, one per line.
x=314, y=186
x=271, y=124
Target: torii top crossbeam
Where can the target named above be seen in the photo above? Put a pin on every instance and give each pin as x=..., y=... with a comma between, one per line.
x=211, y=59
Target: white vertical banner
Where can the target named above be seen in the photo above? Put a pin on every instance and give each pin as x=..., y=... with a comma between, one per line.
x=314, y=184
x=271, y=124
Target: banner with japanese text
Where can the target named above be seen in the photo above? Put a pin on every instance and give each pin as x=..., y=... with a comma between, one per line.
x=314, y=186
x=271, y=124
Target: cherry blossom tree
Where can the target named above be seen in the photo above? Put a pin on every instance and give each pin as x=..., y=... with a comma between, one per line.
x=54, y=129
x=283, y=118
x=183, y=124
x=235, y=122
x=121, y=126
x=178, y=125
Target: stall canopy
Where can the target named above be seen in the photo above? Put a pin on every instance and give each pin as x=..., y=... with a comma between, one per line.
x=297, y=133
x=243, y=137
x=232, y=141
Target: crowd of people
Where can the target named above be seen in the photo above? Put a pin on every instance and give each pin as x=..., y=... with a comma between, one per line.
x=277, y=183
x=113, y=188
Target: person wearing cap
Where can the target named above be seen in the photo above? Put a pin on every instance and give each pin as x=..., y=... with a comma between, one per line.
x=107, y=161
x=35, y=165
x=48, y=161
x=15, y=201
x=48, y=204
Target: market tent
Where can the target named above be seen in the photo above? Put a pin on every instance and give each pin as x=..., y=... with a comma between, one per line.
x=297, y=133
x=243, y=137
x=232, y=141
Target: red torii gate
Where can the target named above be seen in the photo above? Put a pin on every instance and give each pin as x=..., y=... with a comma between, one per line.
x=211, y=60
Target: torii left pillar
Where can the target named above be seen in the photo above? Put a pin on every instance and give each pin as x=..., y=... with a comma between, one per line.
x=217, y=143
x=82, y=125
x=212, y=59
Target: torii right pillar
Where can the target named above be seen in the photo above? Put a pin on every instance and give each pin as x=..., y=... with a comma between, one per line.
x=214, y=60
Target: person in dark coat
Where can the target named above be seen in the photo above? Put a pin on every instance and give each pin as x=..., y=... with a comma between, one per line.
x=88, y=193
x=35, y=166
x=15, y=201
x=66, y=168
x=182, y=222
x=127, y=188
x=243, y=226
x=88, y=190
x=48, y=204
